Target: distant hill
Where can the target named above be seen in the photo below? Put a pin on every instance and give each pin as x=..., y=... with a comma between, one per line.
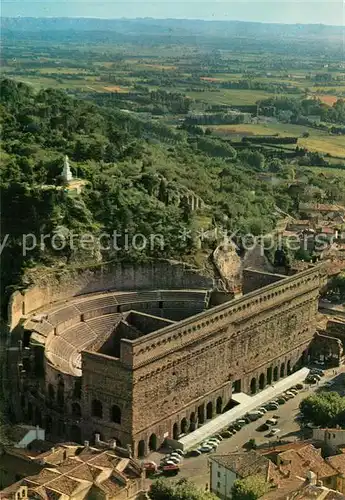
x=171, y=27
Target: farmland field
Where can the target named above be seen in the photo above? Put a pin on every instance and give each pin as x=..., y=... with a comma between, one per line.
x=318, y=140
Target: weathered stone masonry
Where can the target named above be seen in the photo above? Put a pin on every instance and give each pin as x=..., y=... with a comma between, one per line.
x=166, y=382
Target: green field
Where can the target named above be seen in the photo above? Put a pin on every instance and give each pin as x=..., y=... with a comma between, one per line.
x=331, y=172
x=318, y=140
x=230, y=96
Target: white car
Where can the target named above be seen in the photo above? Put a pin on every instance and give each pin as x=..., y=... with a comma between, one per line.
x=273, y=432
x=262, y=410
x=175, y=455
x=170, y=462
x=174, y=459
x=180, y=452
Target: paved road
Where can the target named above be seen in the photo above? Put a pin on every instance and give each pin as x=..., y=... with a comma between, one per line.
x=196, y=468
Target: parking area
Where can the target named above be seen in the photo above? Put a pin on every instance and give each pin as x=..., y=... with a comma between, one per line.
x=196, y=468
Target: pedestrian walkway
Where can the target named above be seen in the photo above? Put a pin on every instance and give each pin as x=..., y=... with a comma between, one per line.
x=246, y=404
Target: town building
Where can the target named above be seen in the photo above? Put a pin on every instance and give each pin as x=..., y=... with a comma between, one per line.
x=73, y=472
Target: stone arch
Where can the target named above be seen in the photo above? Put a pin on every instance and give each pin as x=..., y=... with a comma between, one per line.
x=153, y=442
x=269, y=375
x=49, y=424
x=275, y=374
x=77, y=389
x=141, y=448
x=76, y=410
x=201, y=414
x=116, y=414
x=192, y=420
x=61, y=392
x=175, y=431
x=262, y=382
x=75, y=433
x=184, y=426
x=219, y=405
x=38, y=417
x=209, y=410
x=253, y=386
x=96, y=408
x=288, y=367
x=30, y=411
x=62, y=429
x=305, y=356
x=51, y=392
x=282, y=370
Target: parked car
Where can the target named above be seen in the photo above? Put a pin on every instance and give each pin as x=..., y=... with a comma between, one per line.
x=262, y=410
x=150, y=467
x=226, y=434
x=317, y=371
x=170, y=470
x=271, y=421
x=281, y=401
x=180, y=452
x=195, y=453
x=262, y=428
x=218, y=436
x=294, y=391
x=289, y=395
x=206, y=449
x=241, y=422
x=299, y=387
x=274, y=432
x=232, y=429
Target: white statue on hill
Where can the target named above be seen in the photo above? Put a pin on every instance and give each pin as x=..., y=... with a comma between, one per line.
x=66, y=173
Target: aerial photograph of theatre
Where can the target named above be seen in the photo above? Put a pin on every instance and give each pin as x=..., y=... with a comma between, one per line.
x=172, y=255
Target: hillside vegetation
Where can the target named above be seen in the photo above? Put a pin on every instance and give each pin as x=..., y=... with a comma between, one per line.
x=138, y=176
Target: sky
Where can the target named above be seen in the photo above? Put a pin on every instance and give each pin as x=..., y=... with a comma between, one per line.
x=272, y=11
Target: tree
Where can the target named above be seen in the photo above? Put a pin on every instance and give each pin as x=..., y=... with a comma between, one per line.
x=325, y=408
x=182, y=490
x=249, y=488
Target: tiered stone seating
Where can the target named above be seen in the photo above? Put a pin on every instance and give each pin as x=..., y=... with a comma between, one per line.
x=126, y=298
x=78, y=335
x=97, y=303
x=59, y=363
x=102, y=324
x=63, y=314
x=185, y=296
x=59, y=347
x=43, y=328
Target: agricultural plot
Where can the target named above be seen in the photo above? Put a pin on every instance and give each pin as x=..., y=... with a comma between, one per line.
x=318, y=140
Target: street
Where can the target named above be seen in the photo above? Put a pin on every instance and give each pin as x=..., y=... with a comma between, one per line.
x=196, y=468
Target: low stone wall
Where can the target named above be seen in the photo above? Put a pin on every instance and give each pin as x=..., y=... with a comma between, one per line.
x=254, y=280
x=61, y=285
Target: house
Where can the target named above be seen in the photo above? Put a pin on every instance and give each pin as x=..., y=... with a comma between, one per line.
x=74, y=472
x=226, y=469
x=290, y=470
x=338, y=463
x=299, y=225
x=328, y=211
x=23, y=435
x=332, y=438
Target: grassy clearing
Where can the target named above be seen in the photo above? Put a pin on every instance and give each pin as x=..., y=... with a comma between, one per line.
x=329, y=172
x=230, y=96
x=318, y=140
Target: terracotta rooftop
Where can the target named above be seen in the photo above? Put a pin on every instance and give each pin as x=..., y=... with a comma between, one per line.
x=244, y=464
x=337, y=462
x=299, y=462
x=75, y=475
